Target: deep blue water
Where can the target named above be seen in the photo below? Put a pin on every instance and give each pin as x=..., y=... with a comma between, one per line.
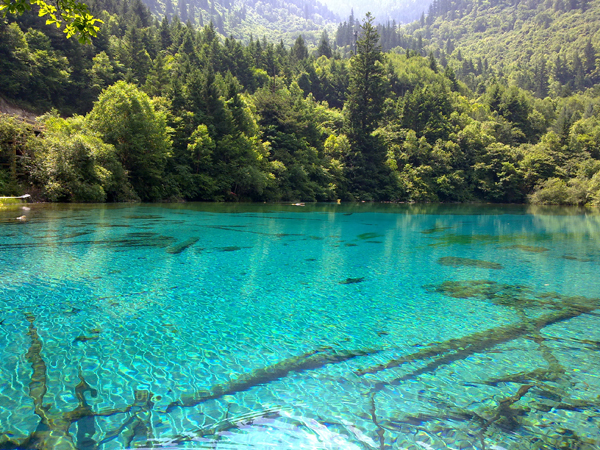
x=273, y=326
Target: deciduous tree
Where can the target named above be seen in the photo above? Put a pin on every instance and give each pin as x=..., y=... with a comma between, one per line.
x=126, y=118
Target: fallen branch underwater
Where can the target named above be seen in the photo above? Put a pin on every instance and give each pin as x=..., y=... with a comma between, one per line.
x=53, y=429
x=52, y=432
x=314, y=359
x=459, y=348
x=475, y=343
x=504, y=416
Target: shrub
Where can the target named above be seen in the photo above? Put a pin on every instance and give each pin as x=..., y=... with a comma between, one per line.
x=73, y=165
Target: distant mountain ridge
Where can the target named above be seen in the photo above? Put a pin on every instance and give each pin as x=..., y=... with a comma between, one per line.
x=275, y=19
x=400, y=11
x=541, y=45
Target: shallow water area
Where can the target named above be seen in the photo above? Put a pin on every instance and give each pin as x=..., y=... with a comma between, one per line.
x=289, y=327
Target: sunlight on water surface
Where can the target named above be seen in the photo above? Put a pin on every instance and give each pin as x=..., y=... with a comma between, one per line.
x=325, y=326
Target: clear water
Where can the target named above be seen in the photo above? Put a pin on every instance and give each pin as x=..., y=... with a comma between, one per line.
x=262, y=327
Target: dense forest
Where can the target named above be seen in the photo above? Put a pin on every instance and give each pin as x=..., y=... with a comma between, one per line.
x=277, y=19
x=476, y=101
x=400, y=11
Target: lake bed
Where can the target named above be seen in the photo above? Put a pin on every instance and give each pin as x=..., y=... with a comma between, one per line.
x=289, y=327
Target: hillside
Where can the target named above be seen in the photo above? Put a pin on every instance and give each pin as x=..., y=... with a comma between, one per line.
x=548, y=47
x=274, y=19
x=400, y=11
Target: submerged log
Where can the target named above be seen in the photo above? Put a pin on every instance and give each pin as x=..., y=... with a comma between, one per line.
x=175, y=249
x=478, y=342
x=505, y=413
x=314, y=359
x=53, y=430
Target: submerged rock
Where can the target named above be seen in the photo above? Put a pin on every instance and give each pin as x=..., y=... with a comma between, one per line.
x=435, y=230
x=528, y=248
x=83, y=338
x=577, y=258
x=72, y=311
x=448, y=239
x=367, y=236
x=512, y=295
x=353, y=280
x=455, y=261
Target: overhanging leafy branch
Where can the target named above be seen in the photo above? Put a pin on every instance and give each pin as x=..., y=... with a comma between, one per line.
x=74, y=14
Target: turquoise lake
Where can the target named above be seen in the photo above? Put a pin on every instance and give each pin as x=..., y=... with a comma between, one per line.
x=289, y=327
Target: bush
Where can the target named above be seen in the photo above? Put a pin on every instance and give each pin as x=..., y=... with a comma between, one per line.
x=72, y=165
x=553, y=191
x=14, y=139
x=125, y=117
x=577, y=191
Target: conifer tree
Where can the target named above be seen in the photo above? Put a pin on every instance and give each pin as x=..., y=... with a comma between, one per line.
x=364, y=109
x=366, y=90
x=299, y=50
x=541, y=79
x=579, y=72
x=589, y=54
x=165, y=34
x=324, y=47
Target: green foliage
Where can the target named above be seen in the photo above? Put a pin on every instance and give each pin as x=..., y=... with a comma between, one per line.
x=126, y=118
x=582, y=190
x=365, y=168
x=366, y=91
x=35, y=72
x=548, y=48
x=73, y=164
x=74, y=14
x=498, y=175
x=287, y=123
x=185, y=114
x=277, y=20
x=15, y=141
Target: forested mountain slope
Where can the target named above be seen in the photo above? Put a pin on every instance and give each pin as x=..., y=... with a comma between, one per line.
x=549, y=46
x=274, y=19
x=400, y=11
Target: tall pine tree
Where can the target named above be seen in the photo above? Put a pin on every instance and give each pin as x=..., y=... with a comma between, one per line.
x=365, y=164
x=367, y=83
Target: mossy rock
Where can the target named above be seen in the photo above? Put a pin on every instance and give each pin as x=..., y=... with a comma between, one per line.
x=435, y=230
x=577, y=258
x=445, y=240
x=10, y=201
